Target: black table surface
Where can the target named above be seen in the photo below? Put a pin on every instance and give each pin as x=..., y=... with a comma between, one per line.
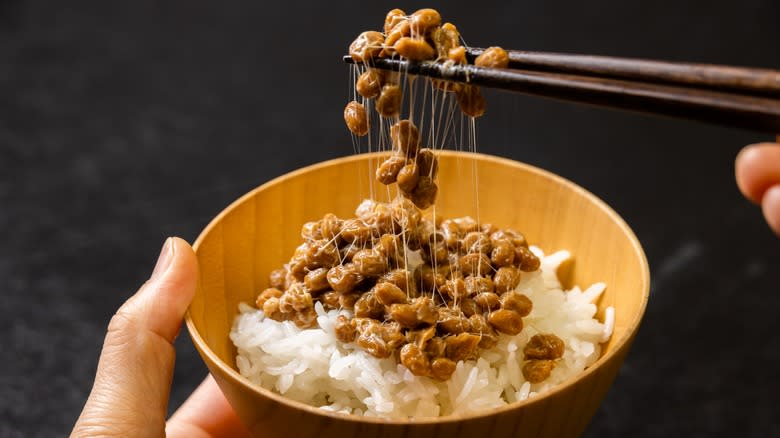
x=122, y=123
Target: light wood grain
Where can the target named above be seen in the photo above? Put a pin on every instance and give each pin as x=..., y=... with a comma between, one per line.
x=259, y=232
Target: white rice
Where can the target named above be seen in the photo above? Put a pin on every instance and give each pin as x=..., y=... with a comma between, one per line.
x=313, y=367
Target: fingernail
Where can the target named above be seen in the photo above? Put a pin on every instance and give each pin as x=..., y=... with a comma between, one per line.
x=164, y=260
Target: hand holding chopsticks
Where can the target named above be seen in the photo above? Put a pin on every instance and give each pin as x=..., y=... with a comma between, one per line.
x=732, y=96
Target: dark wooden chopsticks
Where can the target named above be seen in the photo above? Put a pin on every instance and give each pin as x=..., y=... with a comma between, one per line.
x=733, y=96
x=758, y=81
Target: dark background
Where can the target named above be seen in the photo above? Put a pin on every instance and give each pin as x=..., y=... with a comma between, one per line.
x=122, y=123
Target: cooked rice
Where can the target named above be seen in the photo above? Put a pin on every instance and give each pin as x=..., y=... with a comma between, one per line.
x=313, y=367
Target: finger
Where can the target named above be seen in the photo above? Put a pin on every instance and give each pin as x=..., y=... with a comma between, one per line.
x=206, y=414
x=770, y=204
x=130, y=394
x=757, y=168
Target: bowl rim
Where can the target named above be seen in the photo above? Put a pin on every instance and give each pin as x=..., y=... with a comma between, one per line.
x=233, y=375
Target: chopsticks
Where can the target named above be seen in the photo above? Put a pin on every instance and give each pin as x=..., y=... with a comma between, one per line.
x=758, y=81
x=731, y=96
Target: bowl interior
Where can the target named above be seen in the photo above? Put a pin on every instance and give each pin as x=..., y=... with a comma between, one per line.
x=259, y=232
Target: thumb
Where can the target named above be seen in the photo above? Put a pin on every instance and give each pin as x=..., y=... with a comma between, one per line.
x=130, y=394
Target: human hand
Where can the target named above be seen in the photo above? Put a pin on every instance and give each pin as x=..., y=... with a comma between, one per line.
x=757, y=169
x=130, y=394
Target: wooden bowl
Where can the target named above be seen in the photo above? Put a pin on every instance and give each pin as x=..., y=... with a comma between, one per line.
x=259, y=232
